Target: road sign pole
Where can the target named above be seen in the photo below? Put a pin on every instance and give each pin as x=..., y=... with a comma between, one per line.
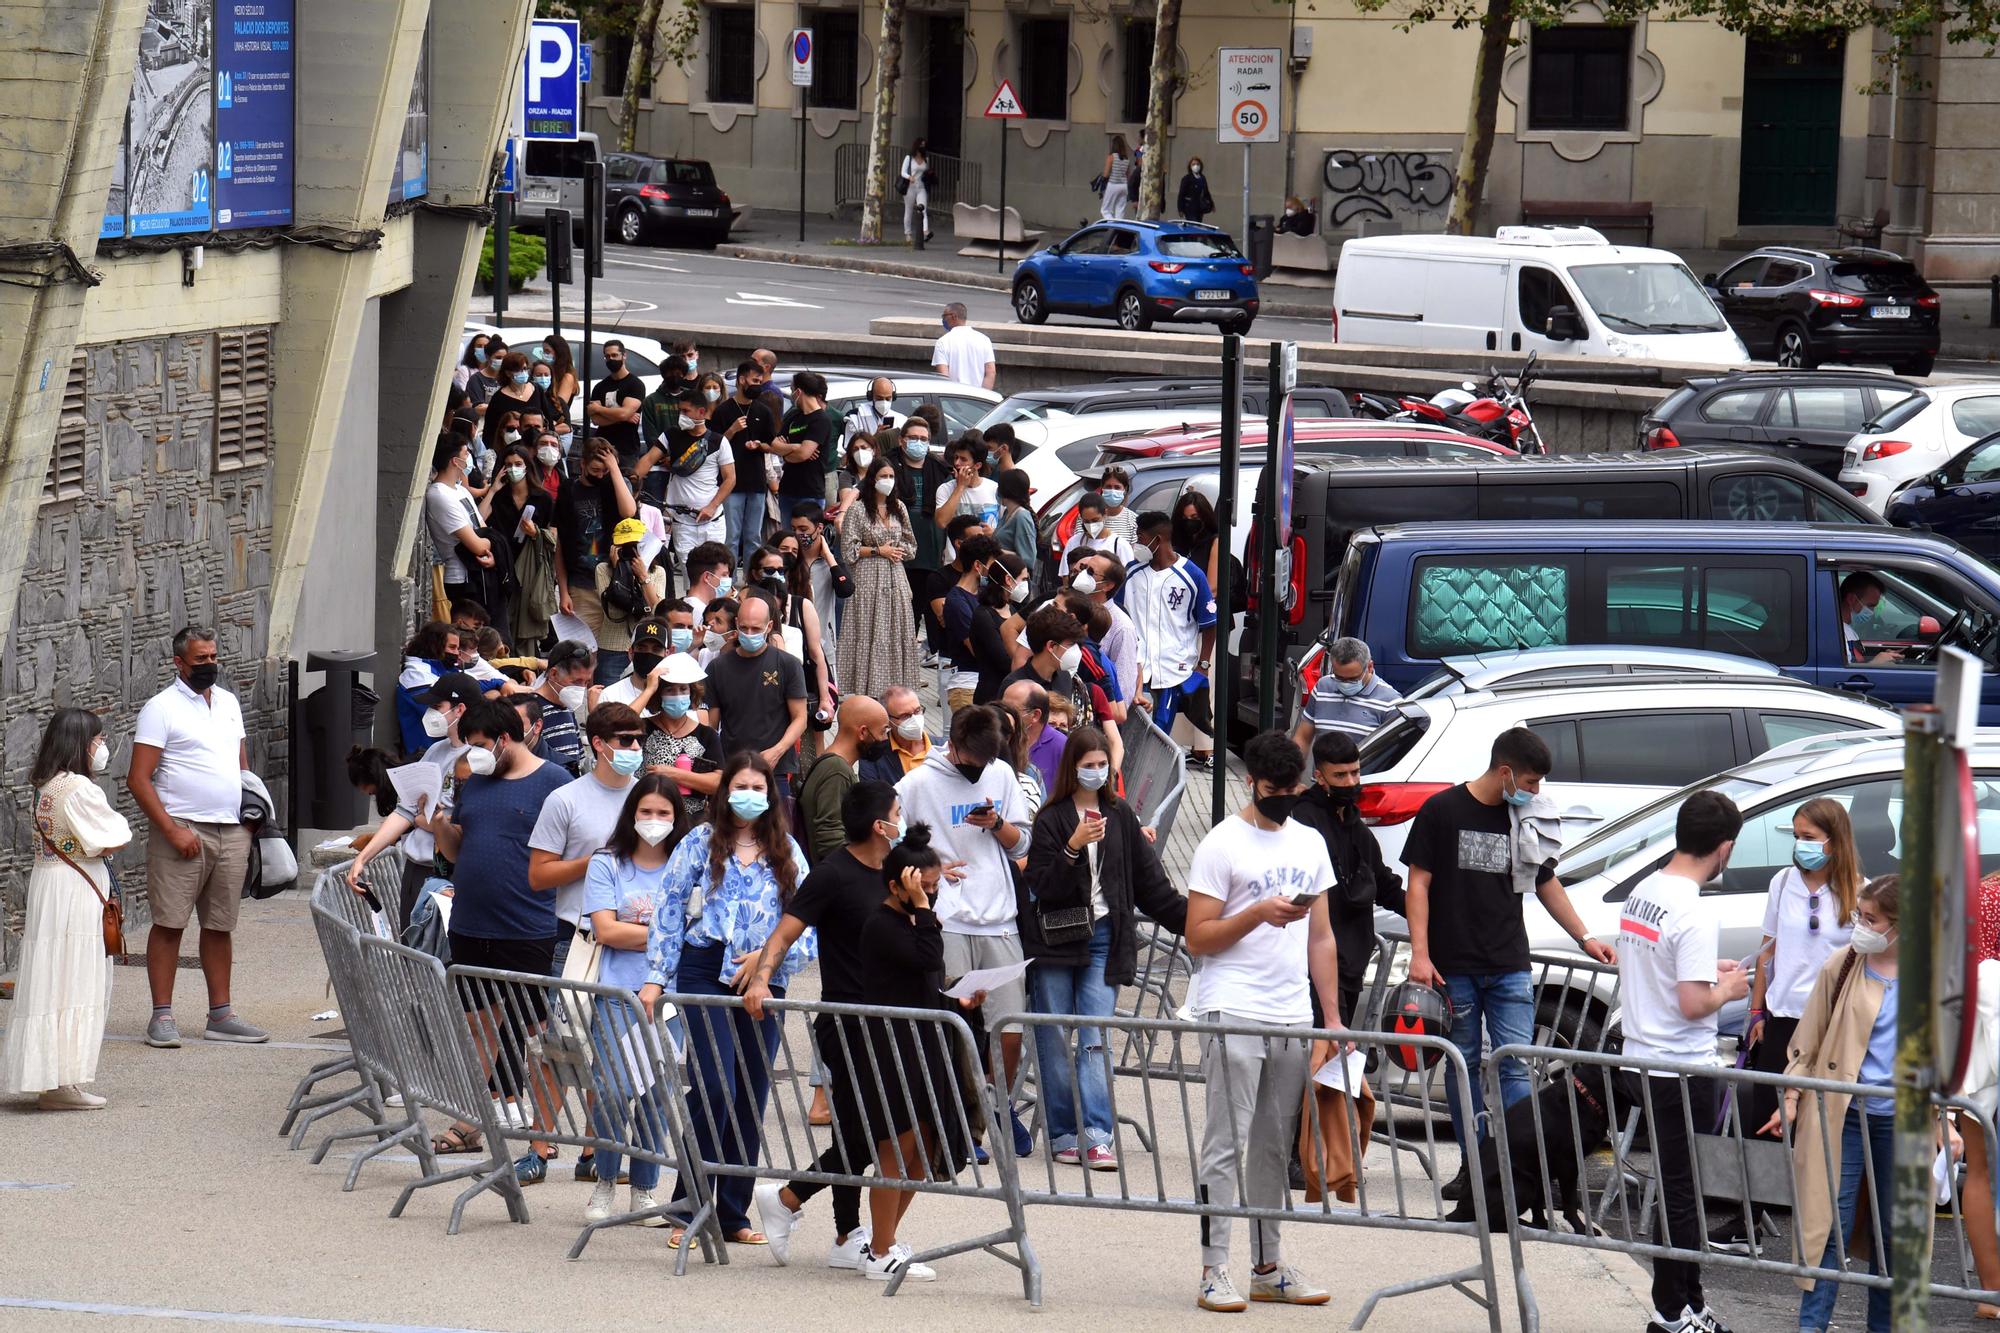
x=1246, y=200
x=1225, y=520
x=503, y=221
x=1912, y=1206
x=1267, y=545
x=1000, y=260
x=802, y=166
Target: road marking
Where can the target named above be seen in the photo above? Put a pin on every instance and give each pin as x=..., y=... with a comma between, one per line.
x=633, y=263
x=31, y=1185
x=764, y=299
x=221, y=1316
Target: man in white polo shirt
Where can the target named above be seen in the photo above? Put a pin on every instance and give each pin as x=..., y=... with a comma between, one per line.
x=188, y=758
x=963, y=353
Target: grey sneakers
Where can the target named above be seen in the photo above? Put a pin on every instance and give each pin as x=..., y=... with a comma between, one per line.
x=234, y=1029
x=161, y=1032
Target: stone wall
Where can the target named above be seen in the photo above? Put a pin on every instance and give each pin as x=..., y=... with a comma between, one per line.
x=158, y=538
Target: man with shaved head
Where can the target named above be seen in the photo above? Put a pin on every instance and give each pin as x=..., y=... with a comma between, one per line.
x=861, y=732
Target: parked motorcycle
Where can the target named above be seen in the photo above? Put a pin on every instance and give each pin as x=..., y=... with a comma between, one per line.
x=1500, y=414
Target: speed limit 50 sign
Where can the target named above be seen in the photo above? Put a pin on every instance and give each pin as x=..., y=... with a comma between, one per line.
x=1247, y=111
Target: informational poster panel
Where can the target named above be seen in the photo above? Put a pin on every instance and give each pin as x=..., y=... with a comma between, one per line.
x=169, y=180
x=114, y=205
x=254, y=115
x=411, y=179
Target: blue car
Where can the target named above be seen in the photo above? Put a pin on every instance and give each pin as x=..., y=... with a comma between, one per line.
x=1137, y=272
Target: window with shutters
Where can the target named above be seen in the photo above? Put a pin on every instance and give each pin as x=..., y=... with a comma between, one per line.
x=242, y=399
x=65, y=478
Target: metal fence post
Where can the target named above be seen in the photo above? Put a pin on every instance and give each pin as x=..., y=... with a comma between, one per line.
x=1923, y=753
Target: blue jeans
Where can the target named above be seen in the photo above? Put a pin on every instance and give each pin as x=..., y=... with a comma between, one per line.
x=1056, y=989
x=726, y=1090
x=745, y=511
x=1816, y=1306
x=626, y=1109
x=1507, y=1004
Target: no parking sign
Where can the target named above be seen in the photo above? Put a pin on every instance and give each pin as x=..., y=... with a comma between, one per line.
x=801, y=48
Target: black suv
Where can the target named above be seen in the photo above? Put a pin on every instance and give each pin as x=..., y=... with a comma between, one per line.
x=1804, y=415
x=664, y=198
x=1801, y=307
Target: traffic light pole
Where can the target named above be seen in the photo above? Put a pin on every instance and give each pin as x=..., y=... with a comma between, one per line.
x=1268, y=538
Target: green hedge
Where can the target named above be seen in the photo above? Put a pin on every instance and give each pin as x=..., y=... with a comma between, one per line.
x=524, y=260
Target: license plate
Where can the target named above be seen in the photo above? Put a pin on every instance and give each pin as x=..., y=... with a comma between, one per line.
x=1892, y=312
x=1212, y=294
x=701, y=212
x=541, y=195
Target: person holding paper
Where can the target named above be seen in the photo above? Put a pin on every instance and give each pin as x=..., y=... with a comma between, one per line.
x=621, y=887
x=1090, y=872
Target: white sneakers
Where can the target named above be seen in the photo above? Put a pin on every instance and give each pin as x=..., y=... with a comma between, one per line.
x=69, y=1097
x=882, y=1267
x=851, y=1254
x=603, y=1200
x=643, y=1200
x=1219, y=1294
x=1286, y=1285
x=776, y=1221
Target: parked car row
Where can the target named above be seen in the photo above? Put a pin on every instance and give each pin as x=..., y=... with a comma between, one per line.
x=645, y=198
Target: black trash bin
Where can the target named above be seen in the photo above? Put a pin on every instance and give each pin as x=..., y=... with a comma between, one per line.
x=1263, y=227
x=339, y=715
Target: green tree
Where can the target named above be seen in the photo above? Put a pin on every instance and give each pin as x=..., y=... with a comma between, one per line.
x=1163, y=89
x=882, y=119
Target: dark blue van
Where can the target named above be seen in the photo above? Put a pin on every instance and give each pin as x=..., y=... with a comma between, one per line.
x=1420, y=592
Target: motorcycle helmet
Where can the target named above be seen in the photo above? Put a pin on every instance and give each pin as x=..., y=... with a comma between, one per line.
x=1417, y=1011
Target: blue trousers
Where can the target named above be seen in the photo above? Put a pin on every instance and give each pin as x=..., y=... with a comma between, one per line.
x=1506, y=1005
x=1878, y=1143
x=626, y=1109
x=729, y=1080
x=1086, y=1098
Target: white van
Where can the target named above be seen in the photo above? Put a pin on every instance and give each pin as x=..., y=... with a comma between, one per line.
x=1559, y=290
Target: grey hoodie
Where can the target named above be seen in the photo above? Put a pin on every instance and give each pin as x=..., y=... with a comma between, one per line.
x=937, y=794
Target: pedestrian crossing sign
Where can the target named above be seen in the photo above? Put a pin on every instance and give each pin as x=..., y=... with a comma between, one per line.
x=1004, y=106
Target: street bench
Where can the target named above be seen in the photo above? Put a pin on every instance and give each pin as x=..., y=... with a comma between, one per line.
x=1626, y=214
x=1301, y=261
x=977, y=228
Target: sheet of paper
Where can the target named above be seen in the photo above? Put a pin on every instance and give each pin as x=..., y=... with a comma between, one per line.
x=521, y=528
x=1344, y=1075
x=418, y=781
x=1941, y=1177
x=382, y=926
x=986, y=979
x=443, y=911
x=568, y=626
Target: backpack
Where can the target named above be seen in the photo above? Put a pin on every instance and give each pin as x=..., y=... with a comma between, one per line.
x=624, y=594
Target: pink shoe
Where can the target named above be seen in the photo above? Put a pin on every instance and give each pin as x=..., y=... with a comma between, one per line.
x=1069, y=1157
x=1101, y=1158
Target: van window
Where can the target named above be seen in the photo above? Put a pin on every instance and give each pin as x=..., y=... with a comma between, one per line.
x=1474, y=604
x=547, y=157
x=1540, y=291
x=1656, y=749
x=1559, y=497
x=1752, y=610
x=1647, y=297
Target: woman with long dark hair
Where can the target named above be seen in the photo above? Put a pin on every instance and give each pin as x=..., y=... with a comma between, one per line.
x=878, y=627
x=562, y=369
x=726, y=886
x=1091, y=871
x=514, y=394
x=63, y=989
x=622, y=888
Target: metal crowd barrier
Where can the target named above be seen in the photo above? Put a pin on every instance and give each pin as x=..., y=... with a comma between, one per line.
x=1155, y=773
x=383, y=874
x=730, y=1058
x=1159, y=1168
x=580, y=1064
x=372, y=1052
x=1546, y=1158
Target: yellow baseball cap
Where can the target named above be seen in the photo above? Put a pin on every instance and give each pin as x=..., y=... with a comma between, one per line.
x=628, y=530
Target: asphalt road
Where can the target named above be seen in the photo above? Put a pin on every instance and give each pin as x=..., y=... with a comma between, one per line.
x=712, y=289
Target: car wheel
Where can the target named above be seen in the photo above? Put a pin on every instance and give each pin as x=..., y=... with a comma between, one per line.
x=1132, y=314
x=631, y=226
x=1029, y=305
x=1241, y=324
x=1921, y=365
x=1793, y=349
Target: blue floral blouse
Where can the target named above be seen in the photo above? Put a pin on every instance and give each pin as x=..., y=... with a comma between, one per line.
x=739, y=914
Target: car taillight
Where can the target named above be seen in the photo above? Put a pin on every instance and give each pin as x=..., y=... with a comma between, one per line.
x=1661, y=437
x=1298, y=609
x=1857, y=488
x=1928, y=302
x=1247, y=270
x=652, y=192
x=1396, y=802
x=1820, y=296
x=1310, y=671
x=1885, y=449
x=725, y=196
x=1161, y=266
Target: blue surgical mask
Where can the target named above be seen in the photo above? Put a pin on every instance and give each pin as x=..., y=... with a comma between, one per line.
x=680, y=640
x=1809, y=855
x=693, y=363
x=916, y=449
x=627, y=762
x=749, y=804
x=1517, y=796
x=902, y=830
x=751, y=644
x=1094, y=777
x=675, y=705
x=723, y=583
x=543, y=354
x=543, y=381
x=1350, y=688
x=1863, y=621
x=1113, y=498
x=519, y=377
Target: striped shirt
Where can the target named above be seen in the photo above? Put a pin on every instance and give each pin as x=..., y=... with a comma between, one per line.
x=1354, y=714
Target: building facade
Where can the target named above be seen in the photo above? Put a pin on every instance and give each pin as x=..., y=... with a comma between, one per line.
x=1724, y=137
x=239, y=233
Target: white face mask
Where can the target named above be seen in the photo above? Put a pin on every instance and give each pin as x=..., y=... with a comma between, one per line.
x=1019, y=592
x=512, y=436
x=1196, y=168
x=652, y=831
x=436, y=724
x=574, y=697
x=713, y=642
x=885, y=485
x=481, y=761
x=863, y=457
x=1071, y=659
x=713, y=395
x=911, y=728
x=688, y=422
x=100, y=757
x=1085, y=582
x=1868, y=940
x=548, y=455
x=1094, y=529
x=882, y=406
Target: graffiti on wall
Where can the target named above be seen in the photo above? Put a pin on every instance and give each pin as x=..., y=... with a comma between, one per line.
x=1386, y=186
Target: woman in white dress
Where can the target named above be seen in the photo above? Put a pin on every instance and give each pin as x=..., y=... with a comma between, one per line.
x=64, y=988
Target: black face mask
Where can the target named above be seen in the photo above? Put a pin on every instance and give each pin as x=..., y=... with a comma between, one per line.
x=203, y=676
x=1344, y=795
x=874, y=751
x=1276, y=808
x=971, y=772
x=643, y=664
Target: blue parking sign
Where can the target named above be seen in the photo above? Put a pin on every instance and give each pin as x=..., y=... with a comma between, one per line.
x=552, y=83
x=586, y=58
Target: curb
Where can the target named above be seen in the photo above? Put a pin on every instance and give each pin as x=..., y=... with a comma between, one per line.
x=993, y=282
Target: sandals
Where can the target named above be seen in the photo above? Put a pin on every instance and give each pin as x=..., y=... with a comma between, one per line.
x=457, y=1139
x=748, y=1237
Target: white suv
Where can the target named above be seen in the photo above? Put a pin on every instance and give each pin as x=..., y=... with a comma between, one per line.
x=1916, y=437
x=1618, y=741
